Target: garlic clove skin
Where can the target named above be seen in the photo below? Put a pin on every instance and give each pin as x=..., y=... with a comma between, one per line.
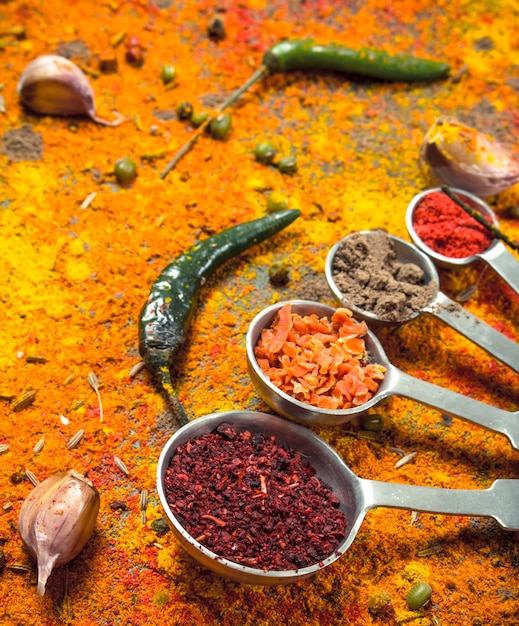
x=57, y=519
x=460, y=156
x=54, y=85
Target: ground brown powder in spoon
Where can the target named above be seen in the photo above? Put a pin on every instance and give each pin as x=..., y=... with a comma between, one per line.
x=368, y=274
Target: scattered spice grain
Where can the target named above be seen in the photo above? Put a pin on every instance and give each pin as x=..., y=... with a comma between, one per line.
x=32, y=477
x=75, y=439
x=25, y=400
x=94, y=383
x=119, y=463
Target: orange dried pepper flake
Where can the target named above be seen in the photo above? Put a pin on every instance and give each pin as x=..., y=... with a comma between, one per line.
x=319, y=361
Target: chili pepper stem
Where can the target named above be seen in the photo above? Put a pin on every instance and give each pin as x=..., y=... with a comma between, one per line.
x=479, y=218
x=258, y=75
x=167, y=387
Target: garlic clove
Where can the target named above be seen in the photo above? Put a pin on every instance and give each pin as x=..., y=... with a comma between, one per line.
x=57, y=519
x=460, y=156
x=54, y=85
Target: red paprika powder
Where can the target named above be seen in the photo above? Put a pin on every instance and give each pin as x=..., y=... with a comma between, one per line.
x=447, y=229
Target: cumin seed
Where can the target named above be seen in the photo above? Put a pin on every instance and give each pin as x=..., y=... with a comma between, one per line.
x=39, y=446
x=405, y=459
x=32, y=477
x=136, y=369
x=88, y=200
x=120, y=465
x=144, y=499
x=35, y=358
x=20, y=567
x=75, y=439
x=25, y=400
x=94, y=383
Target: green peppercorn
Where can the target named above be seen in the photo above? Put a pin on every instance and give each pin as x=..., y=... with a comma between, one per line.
x=160, y=526
x=220, y=127
x=185, y=111
x=418, y=595
x=373, y=422
x=264, y=152
x=197, y=119
x=125, y=170
x=276, y=202
x=168, y=74
x=287, y=165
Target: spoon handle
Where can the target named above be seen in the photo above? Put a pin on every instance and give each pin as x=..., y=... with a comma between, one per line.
x=475, y=329
x=455, y=404
x=504, y=263
x=499, y=501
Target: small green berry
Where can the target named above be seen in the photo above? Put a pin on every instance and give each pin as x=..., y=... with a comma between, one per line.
x=197, y=119
x=125, y=170
x=287, y=165
x=220, y=127
x=168, y=74
x=276, y=202
x=373, y=422
x=185, y=111
x=418, y=595
x=264, y=152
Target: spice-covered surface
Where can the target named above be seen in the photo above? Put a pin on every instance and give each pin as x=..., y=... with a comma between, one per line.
x=79, y=253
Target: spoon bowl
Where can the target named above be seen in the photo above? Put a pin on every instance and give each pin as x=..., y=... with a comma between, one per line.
x=440, y=305
x=356, y=495
x=395, y=382
x=496, y=255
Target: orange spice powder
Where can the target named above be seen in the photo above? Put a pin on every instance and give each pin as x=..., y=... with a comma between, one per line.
x=75, y=274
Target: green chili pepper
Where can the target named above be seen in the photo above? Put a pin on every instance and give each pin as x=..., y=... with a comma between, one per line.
x=166, y=315
x=305, y=54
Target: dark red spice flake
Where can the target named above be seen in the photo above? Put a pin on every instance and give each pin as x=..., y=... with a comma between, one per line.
x=252, y=500
x=447, y=229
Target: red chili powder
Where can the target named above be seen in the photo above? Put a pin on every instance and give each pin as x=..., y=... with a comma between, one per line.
x=447, y=229
x=253, y=500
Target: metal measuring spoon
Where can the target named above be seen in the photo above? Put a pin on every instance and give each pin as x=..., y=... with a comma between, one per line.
x=395, y=382
x=496, y=255
x=440, y=305
x=356, y=495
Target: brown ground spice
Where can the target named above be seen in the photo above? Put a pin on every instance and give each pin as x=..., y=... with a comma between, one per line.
x=368, y=273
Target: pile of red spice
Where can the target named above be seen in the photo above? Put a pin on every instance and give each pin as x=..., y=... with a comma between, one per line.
x=253, y=500
x=447, y=229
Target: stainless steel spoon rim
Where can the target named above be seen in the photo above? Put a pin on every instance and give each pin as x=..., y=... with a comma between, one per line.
x=264, y=318
x=356, y=495
x=418, y=257
x=441, y=259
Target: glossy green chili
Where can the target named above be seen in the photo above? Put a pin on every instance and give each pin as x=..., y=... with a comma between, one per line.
x=305, y=54
x=165, y=317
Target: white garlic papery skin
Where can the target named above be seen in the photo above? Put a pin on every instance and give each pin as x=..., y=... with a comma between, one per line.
x=54, y=85
x=460, y=156
x=57, y=519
